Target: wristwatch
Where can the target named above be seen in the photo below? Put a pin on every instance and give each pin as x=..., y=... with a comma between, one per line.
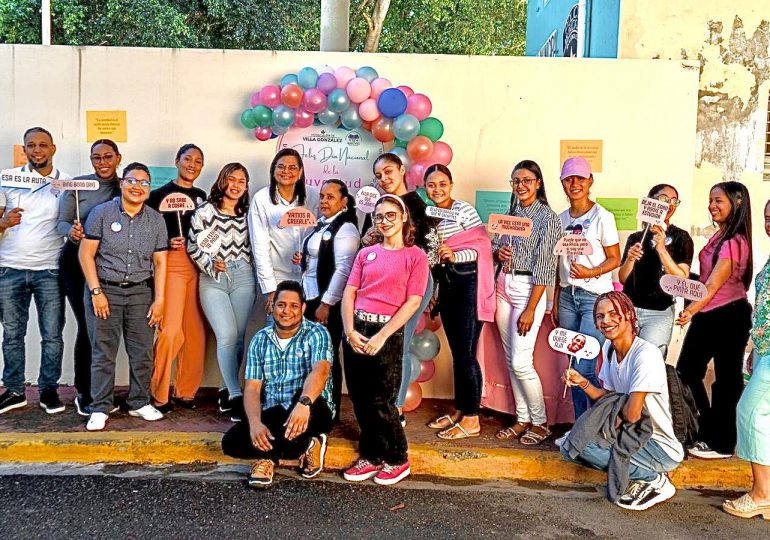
x=306, y=401
x=96, y=291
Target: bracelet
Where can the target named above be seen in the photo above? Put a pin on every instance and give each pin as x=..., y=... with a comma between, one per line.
x=584, y=387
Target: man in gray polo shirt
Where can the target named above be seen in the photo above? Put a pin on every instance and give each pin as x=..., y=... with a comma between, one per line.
x=123, y=254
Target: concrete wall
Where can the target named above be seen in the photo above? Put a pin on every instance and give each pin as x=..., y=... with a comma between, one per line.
x=496, y=110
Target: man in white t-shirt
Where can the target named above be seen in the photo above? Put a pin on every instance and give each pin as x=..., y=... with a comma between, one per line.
x=634, y=367
x=29, y=255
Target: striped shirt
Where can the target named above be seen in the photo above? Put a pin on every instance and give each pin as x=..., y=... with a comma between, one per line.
x=467, y=218
x=534, y=253
x=283, y=371
x=233, y=230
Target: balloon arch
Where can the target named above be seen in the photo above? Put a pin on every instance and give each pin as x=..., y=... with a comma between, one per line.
x=355, y=99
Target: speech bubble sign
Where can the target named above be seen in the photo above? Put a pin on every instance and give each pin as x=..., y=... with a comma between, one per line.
x=510, y=225
x=688, y=289
x=176, y=202
x=79, y=185
x=365, y=199
x=652, y=211
x=209, y=241
x=298, y=217
x=572, y=245
x=574, y=343
x=442, y=213
x=19, y=180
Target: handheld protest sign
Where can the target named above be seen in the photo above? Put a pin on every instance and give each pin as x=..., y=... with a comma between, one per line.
x=21, y=180
x=688, y=289
x=572, y=245
x=177, y=202
x=573, y=343
x=298, y=217
x=652, y=212
x=365, y=199
x=510, y=225
x=209, y=241
x=442, y=213
x=75, y=185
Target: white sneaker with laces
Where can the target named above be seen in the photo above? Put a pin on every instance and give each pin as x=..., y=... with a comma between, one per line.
x=703, y=451
x=148, y=412
x=96, y=421
x=648, y=494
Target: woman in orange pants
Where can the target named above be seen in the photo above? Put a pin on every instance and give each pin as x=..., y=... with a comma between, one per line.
x=182, y=333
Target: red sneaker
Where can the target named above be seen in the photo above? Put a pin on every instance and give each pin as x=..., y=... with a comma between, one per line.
x=392, y=474
x=361, y=470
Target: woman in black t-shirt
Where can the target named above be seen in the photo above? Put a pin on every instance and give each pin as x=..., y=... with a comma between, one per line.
x=668, y=251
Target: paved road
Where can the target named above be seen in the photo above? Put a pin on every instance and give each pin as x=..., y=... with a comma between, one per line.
x=135, y=502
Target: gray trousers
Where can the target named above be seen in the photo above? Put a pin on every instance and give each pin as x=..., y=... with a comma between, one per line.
x=128, y=316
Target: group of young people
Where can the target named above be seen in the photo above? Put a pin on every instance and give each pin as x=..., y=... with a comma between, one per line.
x=349, y=292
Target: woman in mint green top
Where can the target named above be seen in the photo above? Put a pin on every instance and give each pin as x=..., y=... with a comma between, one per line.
x=754, y=406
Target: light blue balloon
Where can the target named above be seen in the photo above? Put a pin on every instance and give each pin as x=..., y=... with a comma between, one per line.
x=338, y=100
x=367, y=72
x=350, y=119
x=307, y=78
x=327, y=117
x=283, y=116
x=289, y=78
x=280, y=130
x=403, y=155
x=406, y=127
x=414, y=363
x=425, y=345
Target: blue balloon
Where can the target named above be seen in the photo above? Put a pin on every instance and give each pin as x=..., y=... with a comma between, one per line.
x=392, y=103
x=350, y=119
x=366, y=72
x=402, y=154
x=289, y=78
x=279, y=130
x=405, y=127
x=425, y=345
x=338, y=100
x=327, y=117
x=307, y=78
x=415, y=365
x=283, y=116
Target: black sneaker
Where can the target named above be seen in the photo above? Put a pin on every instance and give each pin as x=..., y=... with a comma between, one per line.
x=50, y=402
x=11, y=400
x=165, y=408
x=223, y=401
x=236, y=409
x=82, y=407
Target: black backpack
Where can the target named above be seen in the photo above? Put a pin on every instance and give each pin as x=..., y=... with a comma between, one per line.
x=684, y=412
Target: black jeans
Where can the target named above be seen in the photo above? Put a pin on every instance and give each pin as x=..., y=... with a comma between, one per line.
x=457, y=285
x=73, y=284
x=237, y=441
x=373, y=383
x=721, y=334
x=334, y=326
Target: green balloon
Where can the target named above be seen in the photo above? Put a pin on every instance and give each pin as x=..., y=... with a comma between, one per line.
x=400, y=143
x=248, y=119
x=424, y=196
x=263, y=116
x=432, y=128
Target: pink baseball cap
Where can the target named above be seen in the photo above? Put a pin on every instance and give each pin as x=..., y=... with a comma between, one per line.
x=576, y=166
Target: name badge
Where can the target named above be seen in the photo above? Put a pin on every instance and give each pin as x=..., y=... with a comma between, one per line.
x=116, y=226
x=326, y=236
x=371, y=256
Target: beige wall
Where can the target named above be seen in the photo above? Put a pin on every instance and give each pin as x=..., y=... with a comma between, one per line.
x=496, y=110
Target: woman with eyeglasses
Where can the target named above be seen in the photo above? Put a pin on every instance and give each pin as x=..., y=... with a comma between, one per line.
x=582, y=278
x=384, y=290
x=667, y=252
x=105, y=159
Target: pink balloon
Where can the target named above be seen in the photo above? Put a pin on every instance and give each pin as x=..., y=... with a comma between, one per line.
x=368, y=110
x=270, y=95
x=419, y=106
x=344, y=75
x=420, y=324
x=358, y=90
x=415, y=174
x=442, y=153
x=433, y=324
x=378, y=85
x=406, y=90
x=427, y=370
x=315, y=101
x=303, y=118
x=255, y=100
x=263, y=133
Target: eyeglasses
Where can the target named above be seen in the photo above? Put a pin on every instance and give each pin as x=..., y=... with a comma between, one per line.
x=526, y=182
x=290, y=168
x=106, y=157
x=673, y=202
x=390, y=217
x=131, y=181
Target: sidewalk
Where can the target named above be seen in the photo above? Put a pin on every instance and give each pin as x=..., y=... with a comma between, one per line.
x=189, y=436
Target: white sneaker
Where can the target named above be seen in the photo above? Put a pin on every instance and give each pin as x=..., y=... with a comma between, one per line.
x=97, y=421
x=703, y=451
x=561, y=439
x=148, y=412
x=647, y=494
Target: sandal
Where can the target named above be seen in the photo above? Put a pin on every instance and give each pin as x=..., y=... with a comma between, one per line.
x=513, y=432
x=442, y=422
x=451, y=433
x=535, y=435
x=745, y=507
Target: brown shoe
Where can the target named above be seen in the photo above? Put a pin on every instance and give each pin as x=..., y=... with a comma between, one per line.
x=261, y=473
x=313, y=459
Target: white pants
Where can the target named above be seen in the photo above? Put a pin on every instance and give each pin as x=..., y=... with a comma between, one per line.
x=512, y=299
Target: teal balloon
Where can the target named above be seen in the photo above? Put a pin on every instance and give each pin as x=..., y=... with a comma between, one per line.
x=263, y=115
x=338, y=100
x=402, y=154
x=400, y=144
x=283, y=116
x=307, y=78
x=350, y=119
x=367, y=72
x=406, y=127
x=425, y=345
x=327, y=117
x=248, y=119
x=416, y=368
x=424, y=196
x=431, y=128
x=289, y=78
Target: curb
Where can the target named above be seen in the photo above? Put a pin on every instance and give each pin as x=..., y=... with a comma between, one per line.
x=466, y=463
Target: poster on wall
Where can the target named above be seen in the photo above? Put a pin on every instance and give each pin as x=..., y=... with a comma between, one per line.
x=333, y=152
x=106, y=125
x=624, y=209
x=591, y=150
x=492, y=202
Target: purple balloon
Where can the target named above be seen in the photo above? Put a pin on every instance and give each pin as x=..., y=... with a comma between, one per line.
x=392, y=103
x=326, y=83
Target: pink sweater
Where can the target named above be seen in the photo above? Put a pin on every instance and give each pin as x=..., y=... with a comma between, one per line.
x=386, y=278
x=477, y=240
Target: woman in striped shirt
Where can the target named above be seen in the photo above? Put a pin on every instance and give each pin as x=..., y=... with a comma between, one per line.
x=528, y=267
x=219, y=244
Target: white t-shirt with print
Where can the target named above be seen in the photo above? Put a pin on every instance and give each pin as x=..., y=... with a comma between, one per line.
x=599, y=228
x=644, y=370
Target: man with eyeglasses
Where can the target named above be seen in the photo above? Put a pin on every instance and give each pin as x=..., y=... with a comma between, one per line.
x=29, y=253
x=123, y=256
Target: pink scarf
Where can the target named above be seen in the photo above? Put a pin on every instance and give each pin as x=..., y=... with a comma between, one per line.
x=478, y=240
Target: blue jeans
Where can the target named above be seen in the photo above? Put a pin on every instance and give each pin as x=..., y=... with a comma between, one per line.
x=227, y=306
x=17, y=288
x=576, y=313
x=650, y=461
x=409, y=328
x=656, y=326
